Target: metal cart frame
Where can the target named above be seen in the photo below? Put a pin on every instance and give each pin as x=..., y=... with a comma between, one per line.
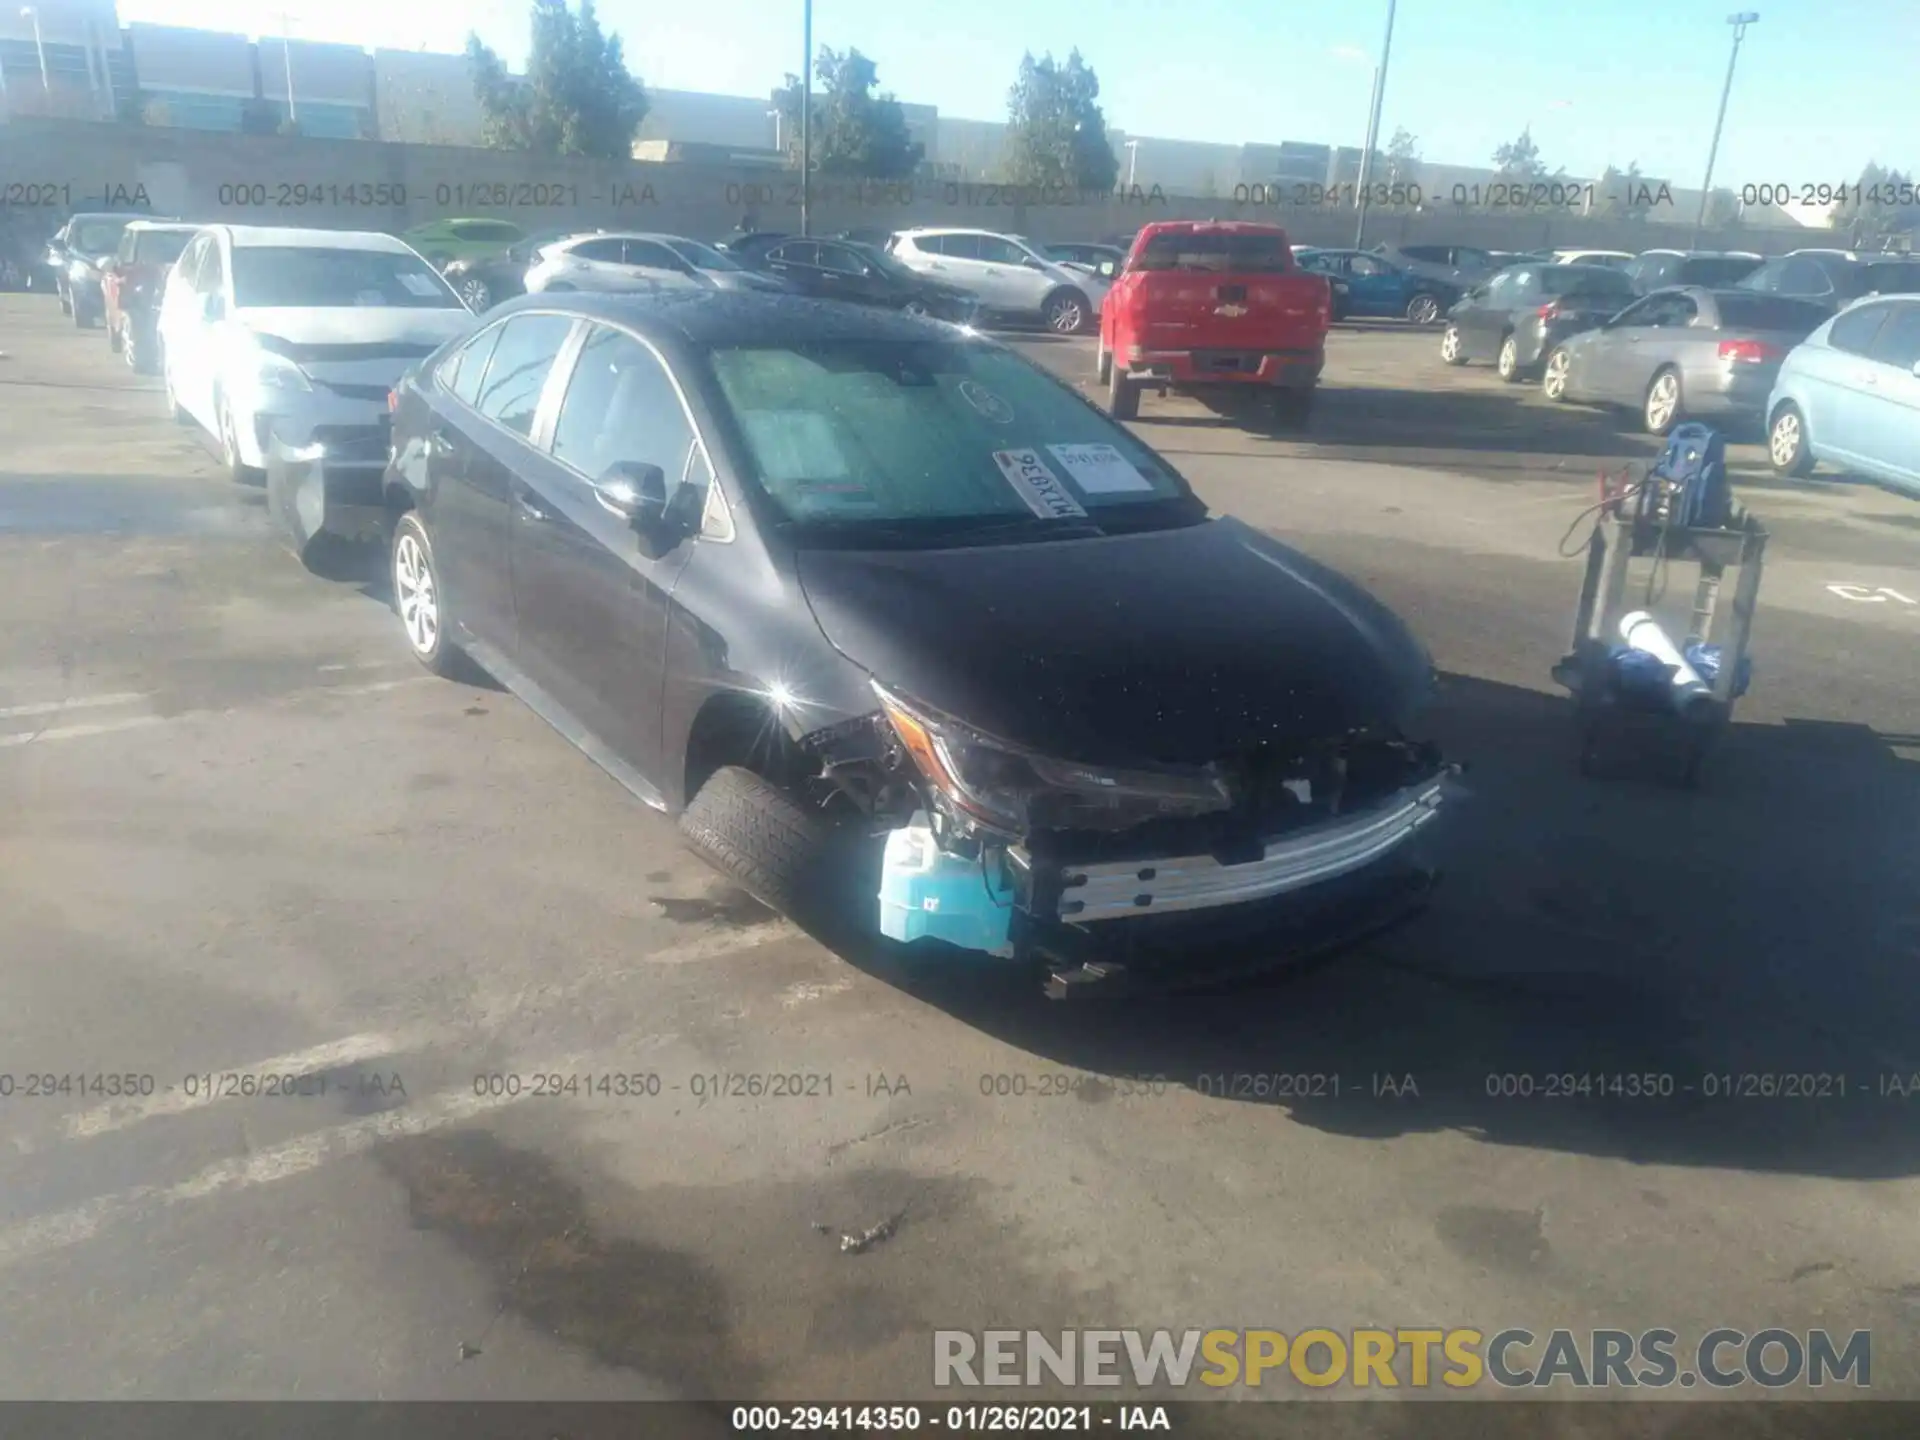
x=1619, y=538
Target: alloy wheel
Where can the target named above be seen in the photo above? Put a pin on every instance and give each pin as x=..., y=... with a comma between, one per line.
x=1424, y=310
x=1553, y=384
x=1663, y=401
x=1450, y=345
x=1783, y=445
x=476, y=294
x=1509, y=363
x=415, y=594
x=1065, y=316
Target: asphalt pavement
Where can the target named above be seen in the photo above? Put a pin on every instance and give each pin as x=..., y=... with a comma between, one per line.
x=243, y=837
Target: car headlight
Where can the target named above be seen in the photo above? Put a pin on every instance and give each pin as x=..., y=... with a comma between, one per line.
x=1012, y=790
x=276, y=372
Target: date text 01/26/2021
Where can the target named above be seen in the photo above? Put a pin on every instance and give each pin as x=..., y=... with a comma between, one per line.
x=952, y=1419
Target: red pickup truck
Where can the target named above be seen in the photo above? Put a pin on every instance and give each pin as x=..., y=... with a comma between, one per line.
x=1214, y=307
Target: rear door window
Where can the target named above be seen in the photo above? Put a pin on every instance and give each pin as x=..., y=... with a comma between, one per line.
x=1854, y=331
x=996, y=251
x=522, y=358
x=1713, y=271
x=1802, y=276
x=607, y=250
x=653, y=256
x=1898, y=342
x=961, y=247
x=796, y=252
x=1237, y=252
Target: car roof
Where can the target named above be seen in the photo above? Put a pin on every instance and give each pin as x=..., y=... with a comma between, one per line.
x=950, y=230
x=1230, y=227
x=248, y=237
x=186, y=225
x=707, y=319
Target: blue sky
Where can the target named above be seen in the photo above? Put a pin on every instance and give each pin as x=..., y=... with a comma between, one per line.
x=1823, y=85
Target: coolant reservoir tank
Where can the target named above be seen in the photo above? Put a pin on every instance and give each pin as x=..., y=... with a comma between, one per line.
x=927, y=894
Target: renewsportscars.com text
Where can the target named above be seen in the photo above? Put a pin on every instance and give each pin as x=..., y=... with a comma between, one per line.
x=1725, y=1358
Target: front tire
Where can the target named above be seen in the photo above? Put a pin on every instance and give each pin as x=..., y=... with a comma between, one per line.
x=237, y=469
x=1067, y=312
x=760, y=837
x=1507, y=367
x=1787, y=446
x=417, y=597
x=1423, y=309
x=1660, y=411
x=1451, y=351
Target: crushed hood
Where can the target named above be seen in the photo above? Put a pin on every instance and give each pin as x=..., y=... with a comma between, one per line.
x=1175, y=647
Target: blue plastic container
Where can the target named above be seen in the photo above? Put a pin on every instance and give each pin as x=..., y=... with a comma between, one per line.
x=927, y=894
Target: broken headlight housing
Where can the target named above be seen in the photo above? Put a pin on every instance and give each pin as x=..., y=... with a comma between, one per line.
x=1010, y=790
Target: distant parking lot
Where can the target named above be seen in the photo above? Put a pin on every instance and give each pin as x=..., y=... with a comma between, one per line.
x=241, y=832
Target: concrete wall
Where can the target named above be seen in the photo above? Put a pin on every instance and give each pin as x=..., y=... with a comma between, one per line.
x=203, y=175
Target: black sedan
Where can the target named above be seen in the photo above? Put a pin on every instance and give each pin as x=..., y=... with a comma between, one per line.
x=1834, y=278
x=486, y=280
x=814, y=577
x=861, y=275
x=78, y=254
x=1516, y=318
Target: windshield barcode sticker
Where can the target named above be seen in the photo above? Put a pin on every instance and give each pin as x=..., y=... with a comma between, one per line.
x=1043, y=491
x=1100, y=469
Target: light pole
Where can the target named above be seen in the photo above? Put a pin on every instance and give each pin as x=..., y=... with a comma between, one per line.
x=1739, y=23
x=286, y=53
x=1373, y=128
x=774, y=115
x=39, y=48
x=806, y=123
x=1133, y=161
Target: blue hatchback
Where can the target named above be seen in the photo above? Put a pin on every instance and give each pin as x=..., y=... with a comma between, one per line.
x=1376, y=286
x=1849, y=395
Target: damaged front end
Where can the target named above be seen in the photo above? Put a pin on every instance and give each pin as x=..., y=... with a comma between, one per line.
x=1105, y=878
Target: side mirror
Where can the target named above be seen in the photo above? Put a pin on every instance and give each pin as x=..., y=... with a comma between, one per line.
x=634, y=491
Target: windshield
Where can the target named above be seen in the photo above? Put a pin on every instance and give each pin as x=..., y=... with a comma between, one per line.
x=160, y=247
x=298, y=277
x=1235, y=251
x=936, y=434
x=701, y=257
x=97, y=237
x=1713, y=271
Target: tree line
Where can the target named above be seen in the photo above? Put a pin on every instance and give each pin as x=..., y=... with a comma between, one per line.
x=578, y=98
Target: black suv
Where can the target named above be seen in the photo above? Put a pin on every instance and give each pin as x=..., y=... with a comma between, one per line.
x=817, y=577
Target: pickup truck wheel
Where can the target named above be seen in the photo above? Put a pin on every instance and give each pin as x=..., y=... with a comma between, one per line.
x=1450, y=351
x=1067, y=312
x=760, y=837
x=1103, y=364
x=1423, y=309
x=1123, y=394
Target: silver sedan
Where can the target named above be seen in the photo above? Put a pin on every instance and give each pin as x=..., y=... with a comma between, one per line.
x=1684, y=352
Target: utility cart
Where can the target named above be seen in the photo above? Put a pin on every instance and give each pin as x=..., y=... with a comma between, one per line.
x=1641, y=687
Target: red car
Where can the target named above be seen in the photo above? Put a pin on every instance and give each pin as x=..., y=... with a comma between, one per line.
x=1218, y=309
x=131, y=283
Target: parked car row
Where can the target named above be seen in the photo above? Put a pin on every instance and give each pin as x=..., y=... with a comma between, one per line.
x=751, y=553
x=1836, y=386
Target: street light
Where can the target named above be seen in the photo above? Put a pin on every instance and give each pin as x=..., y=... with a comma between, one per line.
x=806, y=122
x=39, y=48
x=286, y=53
x=1373, y=129
x=1739, y=23
x=1133, y=161
x=774, y=115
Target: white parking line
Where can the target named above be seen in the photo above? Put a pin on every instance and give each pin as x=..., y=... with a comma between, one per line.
x=105, y=1119
x=45, y=1234
x=81, y=732
x=82, y=702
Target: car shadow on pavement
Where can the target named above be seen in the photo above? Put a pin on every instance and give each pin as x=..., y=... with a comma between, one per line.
x=1613, y=966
